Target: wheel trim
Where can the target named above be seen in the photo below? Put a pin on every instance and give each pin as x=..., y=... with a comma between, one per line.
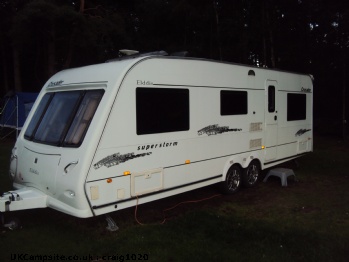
x=252, y=174
x=233, y=180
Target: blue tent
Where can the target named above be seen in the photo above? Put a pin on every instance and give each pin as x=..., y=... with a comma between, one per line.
x=15, y=107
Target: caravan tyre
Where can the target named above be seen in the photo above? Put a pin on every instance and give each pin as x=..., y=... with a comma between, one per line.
x=251, y=174
x=232, y=181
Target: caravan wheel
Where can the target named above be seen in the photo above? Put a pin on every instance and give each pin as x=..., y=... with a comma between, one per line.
x=251, y=174
x=232, y=181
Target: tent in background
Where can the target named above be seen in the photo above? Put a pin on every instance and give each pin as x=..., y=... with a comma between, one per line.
x=14, y=109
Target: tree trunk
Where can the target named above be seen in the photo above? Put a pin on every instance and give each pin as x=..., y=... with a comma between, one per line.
x=5, y=84
x=265, y=60
x=271, y=41
x=82, y=6
x=70, y=52
x=217, y=29
x=268, y=36
x=344, y=129
x=51, y=55
x=17, y=70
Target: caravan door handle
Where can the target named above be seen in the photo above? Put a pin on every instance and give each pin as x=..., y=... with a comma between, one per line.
x=275, y=118
x=72, y=163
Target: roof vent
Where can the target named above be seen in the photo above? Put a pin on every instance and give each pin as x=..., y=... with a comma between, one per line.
x=164, y=53
x=134, y=53
x=128, y=52
x=251, y=73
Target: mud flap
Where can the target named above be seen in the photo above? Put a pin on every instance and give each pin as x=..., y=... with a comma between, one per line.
x=24, y=198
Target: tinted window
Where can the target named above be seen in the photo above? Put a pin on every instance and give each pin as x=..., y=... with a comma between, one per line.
x=296, y=107
x=271, y=99
x=83, y=118
x=56, y=117
x=233, y=103
x=161, y=110
x=63, y=116
x=29, y=132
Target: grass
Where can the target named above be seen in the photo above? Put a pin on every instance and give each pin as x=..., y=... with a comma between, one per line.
x=306, y=221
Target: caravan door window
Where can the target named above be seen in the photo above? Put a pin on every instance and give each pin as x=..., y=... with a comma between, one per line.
x=62, y=118
x=271, y=99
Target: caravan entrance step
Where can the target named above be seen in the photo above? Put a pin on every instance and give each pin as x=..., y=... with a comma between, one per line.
x=283, y=173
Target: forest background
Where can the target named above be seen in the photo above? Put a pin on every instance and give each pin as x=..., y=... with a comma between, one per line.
x=39, y=38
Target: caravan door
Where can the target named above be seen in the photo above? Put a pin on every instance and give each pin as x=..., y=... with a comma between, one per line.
x=271, y=120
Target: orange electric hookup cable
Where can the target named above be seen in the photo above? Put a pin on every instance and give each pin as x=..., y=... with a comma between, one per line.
x=167, y=209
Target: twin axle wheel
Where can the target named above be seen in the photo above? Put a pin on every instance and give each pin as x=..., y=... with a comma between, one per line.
x=236, y=176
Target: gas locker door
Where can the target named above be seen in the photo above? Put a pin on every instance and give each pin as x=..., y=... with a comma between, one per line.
x=271, y=120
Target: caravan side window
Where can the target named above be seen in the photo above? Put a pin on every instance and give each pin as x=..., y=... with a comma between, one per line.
x=62, y=118
x=296, y=107
x=233, y=103
x=160, y=110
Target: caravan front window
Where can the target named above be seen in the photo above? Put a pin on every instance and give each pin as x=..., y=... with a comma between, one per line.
x=62, y=118
x=82, y=118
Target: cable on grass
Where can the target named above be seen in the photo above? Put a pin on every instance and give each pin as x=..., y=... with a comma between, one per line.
x=167, y=209
x=136, y=212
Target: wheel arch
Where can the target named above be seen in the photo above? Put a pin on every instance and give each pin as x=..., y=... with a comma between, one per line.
x=242, y=161
x=231, y=162
x=255, y=159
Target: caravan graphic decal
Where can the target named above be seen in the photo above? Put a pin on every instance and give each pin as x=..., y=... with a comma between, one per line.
x=216, y=129
x=157, y=145
x=116, y=159
x=302, y=131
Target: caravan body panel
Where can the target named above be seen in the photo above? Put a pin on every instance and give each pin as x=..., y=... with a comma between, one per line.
x=151, y=127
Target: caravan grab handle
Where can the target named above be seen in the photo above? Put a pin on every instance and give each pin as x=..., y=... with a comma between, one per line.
x=72, y=163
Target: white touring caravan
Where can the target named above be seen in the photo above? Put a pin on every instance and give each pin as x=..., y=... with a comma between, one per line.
x=100, y=138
